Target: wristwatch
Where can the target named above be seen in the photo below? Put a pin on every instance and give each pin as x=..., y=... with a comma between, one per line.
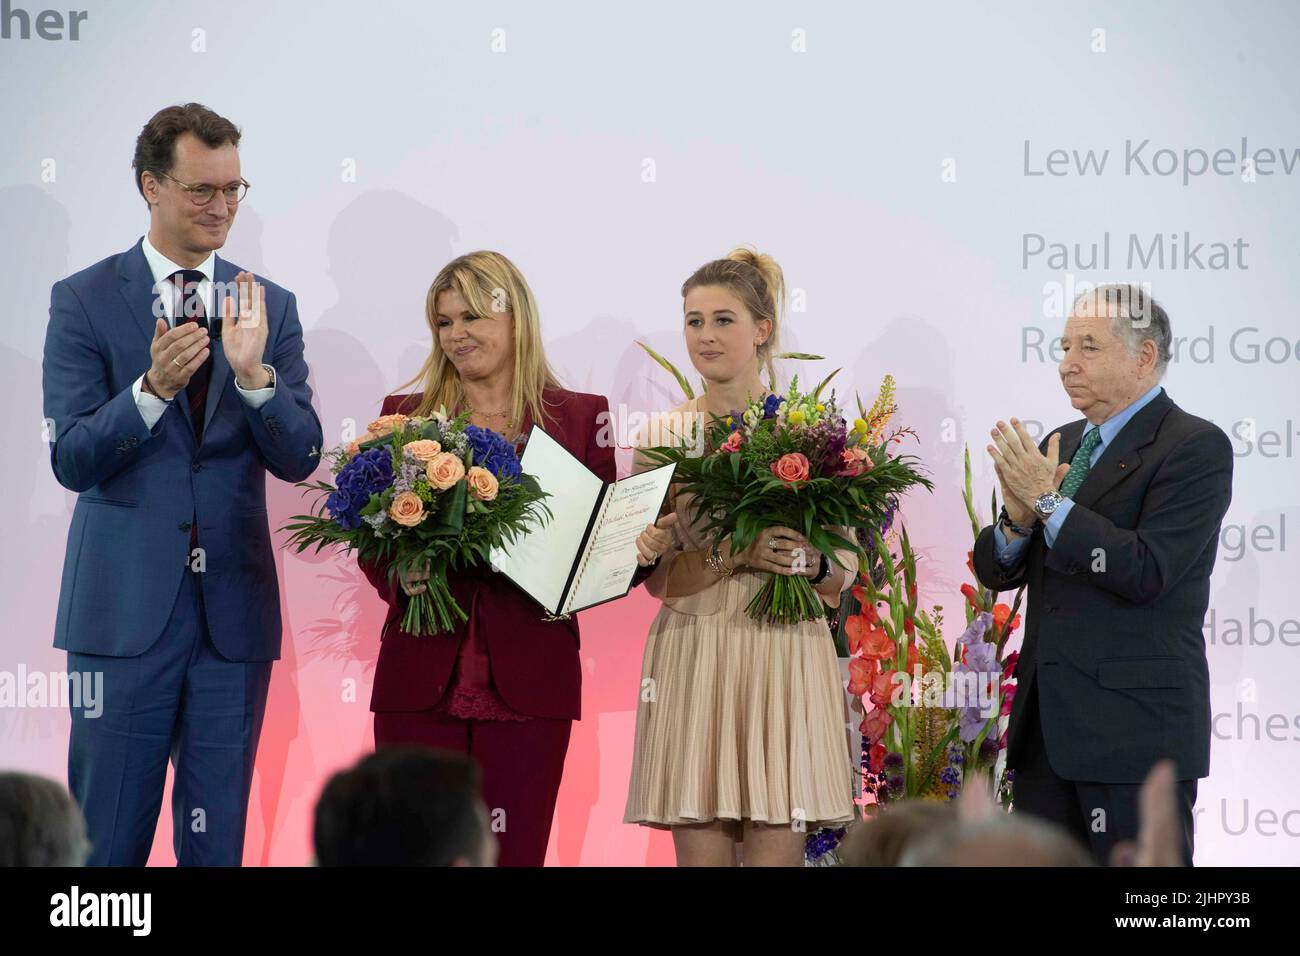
x=1004, y=519
x=1047, y=503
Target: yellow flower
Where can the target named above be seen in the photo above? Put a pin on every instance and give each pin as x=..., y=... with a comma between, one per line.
x=859, y=425
x=795, y=417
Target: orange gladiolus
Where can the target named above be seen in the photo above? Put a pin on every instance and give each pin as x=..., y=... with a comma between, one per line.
x=877, y=645
x=861, y=673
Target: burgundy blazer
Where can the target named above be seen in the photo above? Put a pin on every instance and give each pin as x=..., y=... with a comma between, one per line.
x=535, y=664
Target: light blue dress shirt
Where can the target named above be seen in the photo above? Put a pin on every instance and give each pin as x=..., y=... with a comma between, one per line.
x=1010, y=552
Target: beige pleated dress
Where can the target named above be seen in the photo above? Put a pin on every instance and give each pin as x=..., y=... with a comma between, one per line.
x=736, y=719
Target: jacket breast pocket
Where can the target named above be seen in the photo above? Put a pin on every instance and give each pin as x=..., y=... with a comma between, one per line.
x=1141, y=672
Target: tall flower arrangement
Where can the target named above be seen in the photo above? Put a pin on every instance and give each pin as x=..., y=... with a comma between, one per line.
x=930, y=718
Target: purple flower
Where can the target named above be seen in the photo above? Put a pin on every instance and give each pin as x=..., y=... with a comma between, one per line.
x=366, y=474
x=970, y=723
x=407, y=472
x=493, y=452
x=989, y=747
x=978, y=658
x=981, y=657
x=978, y=626
x=822, y=842
x=889, y=515
x=771, y=404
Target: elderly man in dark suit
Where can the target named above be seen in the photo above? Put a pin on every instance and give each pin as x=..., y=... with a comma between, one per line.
x=1113, y=523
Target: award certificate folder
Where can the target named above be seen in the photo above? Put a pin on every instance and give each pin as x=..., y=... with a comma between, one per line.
x=584, y=554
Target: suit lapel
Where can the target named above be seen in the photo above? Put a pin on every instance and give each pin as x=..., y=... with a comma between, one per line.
x=137, y=288
x=1121, y=457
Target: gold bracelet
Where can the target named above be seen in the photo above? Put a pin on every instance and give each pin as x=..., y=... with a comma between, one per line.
x=715, y=563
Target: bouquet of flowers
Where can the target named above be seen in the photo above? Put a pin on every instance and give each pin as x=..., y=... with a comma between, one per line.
x=422, y=493
x=792, y=461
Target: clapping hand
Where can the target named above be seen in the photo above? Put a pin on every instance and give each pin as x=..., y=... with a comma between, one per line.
x=243, y=337
x=1023, y=471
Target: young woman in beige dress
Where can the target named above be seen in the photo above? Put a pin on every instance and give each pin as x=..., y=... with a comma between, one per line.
x=741, y=725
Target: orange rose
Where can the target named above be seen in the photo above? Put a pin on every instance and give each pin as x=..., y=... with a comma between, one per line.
x=424, y=449
x=384, y=424
x=482, y=483
x=407, y=509
x=355, y=447
x=791, y=468
x=444, y=470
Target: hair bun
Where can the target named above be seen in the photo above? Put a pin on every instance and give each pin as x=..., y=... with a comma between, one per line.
x=768, y=268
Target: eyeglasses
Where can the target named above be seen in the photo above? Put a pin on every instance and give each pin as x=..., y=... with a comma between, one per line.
x=202, y=195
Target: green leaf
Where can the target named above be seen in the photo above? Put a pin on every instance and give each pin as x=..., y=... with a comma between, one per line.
x=824, y=382
x=449, y=519
x=669, y=367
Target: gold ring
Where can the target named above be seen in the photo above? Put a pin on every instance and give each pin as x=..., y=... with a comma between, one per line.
x=176, y=362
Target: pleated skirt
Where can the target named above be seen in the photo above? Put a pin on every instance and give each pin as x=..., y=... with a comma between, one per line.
x=738, y=720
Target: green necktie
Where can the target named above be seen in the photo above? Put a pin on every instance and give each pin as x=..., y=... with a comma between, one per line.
x=1080, y=463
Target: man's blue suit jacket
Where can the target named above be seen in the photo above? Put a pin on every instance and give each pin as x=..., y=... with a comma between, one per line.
x=139, y=488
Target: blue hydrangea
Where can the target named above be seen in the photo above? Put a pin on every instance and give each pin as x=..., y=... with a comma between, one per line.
x=366, y=474
x=493, y=452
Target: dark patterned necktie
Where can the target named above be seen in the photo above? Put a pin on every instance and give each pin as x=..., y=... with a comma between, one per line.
x=192, y=309
x=1080, y=463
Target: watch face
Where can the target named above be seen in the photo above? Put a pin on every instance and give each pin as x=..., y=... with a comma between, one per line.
x=1046, y=504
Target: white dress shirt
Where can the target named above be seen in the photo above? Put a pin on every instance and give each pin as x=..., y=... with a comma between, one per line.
x=151, y=406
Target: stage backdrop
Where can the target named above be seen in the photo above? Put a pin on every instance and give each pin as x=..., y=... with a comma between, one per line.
x=935, y=179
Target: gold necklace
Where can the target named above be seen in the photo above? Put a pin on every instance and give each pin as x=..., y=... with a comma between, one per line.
x=509, y=424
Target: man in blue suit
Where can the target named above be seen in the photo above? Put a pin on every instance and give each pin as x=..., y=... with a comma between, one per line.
x=173, y=381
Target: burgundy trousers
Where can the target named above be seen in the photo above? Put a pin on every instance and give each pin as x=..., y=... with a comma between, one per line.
x=522, y=762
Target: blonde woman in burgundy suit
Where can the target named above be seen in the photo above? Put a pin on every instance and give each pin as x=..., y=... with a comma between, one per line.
x=505, y=686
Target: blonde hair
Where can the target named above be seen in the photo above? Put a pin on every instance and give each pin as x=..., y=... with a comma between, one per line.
x=758, y=281
x=490, y=284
